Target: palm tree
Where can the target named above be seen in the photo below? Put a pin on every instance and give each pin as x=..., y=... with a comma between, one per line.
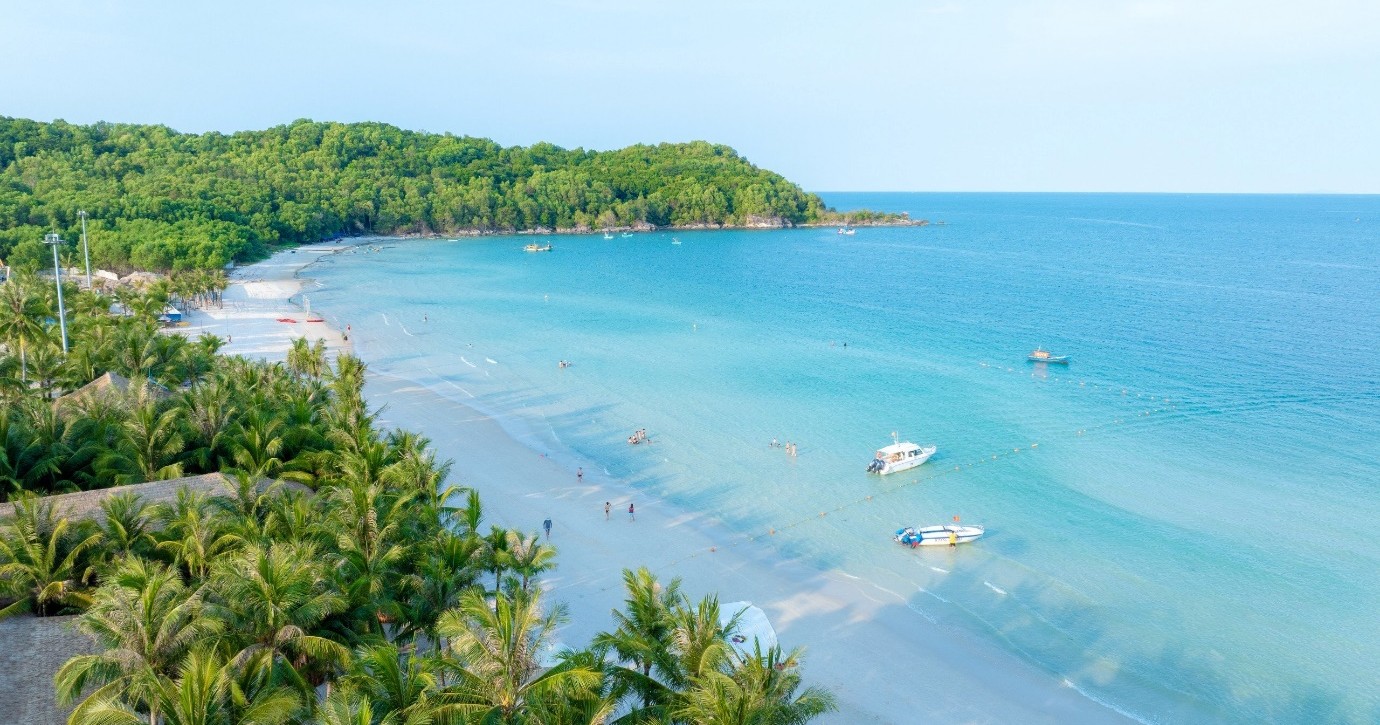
x=398, y=685
x=127, y=526
x=762, y=689
x=495, y=555
x=258, y=441
x=151, y=449
x=645, y=631
x=43, y=560
x=208, y=691
x=192, y=535
x=445, y=572
x=368, y=523
x=345, y=706
x=24, y=460
x=20, y=312
x=529, y=557
x=271, y=600
x=145, y=621
x=499, y=676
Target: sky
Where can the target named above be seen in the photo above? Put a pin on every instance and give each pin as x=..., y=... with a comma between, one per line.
x=921, y=95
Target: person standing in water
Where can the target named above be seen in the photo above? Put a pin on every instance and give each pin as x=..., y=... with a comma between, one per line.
x=580, y=475
x=547, y=525
x=632, y=513
x=606, y=510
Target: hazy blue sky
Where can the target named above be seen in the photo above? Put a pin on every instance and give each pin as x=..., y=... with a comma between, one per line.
x=1172, y=95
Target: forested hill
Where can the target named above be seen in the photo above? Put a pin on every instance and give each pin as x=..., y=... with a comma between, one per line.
x=158, y=199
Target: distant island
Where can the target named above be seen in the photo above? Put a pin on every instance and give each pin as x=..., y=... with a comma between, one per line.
x=162, y=200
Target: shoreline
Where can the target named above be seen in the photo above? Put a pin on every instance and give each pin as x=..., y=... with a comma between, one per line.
x=883, y=660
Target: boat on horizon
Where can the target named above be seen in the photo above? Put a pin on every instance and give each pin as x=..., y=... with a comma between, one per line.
x=899, y=456
x=940, y=535
x=1042, y=355
x=537, y=248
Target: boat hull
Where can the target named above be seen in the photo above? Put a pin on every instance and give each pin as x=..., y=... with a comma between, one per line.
x=905, y=464
x=943, y=535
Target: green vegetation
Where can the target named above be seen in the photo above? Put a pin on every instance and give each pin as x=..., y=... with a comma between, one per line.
x=338, y=561
x=163, y=200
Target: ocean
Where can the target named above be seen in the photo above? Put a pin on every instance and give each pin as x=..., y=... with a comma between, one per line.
x=1181, y=523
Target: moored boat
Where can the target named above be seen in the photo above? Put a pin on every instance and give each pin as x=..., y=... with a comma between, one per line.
x=536, y=248
x=1045, y=356
x=941, y=535
x=899, y=457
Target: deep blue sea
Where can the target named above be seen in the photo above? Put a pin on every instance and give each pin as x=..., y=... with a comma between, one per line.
x=1183, y=523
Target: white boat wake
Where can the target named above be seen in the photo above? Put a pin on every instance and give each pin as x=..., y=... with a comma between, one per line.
x=995, y=588
x=467, y=362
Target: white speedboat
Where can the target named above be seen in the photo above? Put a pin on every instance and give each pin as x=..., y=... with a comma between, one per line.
x=899, y=457
x=942, y=535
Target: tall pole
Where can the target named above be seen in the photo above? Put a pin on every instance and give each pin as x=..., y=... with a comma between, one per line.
x=85, y=248
x=53, y=241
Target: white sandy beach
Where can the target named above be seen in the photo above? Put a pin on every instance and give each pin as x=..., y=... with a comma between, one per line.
x=884, y=661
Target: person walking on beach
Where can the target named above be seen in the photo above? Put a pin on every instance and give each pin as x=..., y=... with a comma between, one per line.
x=547, y=525
x=632, y=513
x=606, y=510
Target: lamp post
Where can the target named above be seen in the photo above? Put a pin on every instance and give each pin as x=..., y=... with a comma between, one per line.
x=54, y=241
x=85, y=248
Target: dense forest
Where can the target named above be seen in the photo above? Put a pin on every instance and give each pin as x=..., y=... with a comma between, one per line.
x=337, y=577
x=162, y=200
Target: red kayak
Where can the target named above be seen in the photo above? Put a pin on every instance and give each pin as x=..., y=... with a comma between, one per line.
x=286, y=319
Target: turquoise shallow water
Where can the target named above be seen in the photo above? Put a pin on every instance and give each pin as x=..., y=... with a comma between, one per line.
x=1191, y=539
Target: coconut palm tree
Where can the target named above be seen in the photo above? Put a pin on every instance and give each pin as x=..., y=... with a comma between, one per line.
x=272, y=599
x=258, y=442
x=24, y=459
x=151, y=446
x=368, y=524
x=126, y=528
x=345, y=706
x=645, y=632
x=529, y=557
x=145, y=621
x=494, y=554
x=207, y=691
x=762, y=689
x=499, y=676
x=192, y=535
x=20, y=313
x=44, y=560
x=399, y=685
x=445, y=571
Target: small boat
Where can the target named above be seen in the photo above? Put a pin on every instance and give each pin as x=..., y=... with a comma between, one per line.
x=675, y=241
x=315, y=319
x=536, y=248
x=899, y=457
x=608, y=236
x=287, y=319
x=941, y=535
x=847, y=230
x=626, y=234
x=1045, y=356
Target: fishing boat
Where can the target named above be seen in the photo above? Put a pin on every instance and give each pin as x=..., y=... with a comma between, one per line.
x=1045, y=356
x=608, y=236
x=899, y=457
x=627, y=234
x=941, y=535
x=847, y=230
x=536, y=248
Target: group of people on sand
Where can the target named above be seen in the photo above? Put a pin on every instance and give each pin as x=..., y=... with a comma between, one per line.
x=788, y=446
x=638, y=436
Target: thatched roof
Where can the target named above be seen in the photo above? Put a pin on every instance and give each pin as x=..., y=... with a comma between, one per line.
x=115, y=384
x=34, y=648
x=87, y=504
